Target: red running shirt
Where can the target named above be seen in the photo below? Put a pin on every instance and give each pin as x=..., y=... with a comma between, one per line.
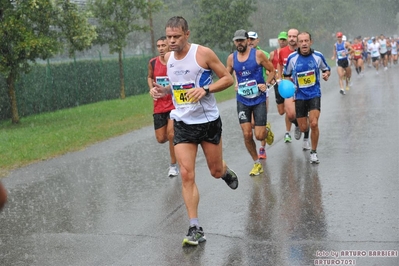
x=283, y=55
x=164, y=104
x=358, y=50
x=275, y=58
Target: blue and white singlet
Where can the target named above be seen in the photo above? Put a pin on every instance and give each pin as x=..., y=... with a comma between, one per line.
x=305, y=72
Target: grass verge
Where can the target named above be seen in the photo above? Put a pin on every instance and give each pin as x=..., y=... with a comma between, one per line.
x=47, y=135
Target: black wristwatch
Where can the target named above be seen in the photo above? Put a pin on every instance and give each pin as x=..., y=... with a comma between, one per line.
x=206, y=89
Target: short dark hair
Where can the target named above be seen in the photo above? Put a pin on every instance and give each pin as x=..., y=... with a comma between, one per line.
x=305, y=32
x=162, y=38
x=177, y=22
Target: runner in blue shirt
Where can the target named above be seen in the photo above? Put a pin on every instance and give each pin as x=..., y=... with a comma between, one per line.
x=304, y=66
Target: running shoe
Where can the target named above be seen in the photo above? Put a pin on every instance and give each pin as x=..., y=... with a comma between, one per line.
x=173, y=170
x=342, y=91
x=314, y=158
x=298, y=133
x=306, y=145
x=287, y=138
x=347, y=87
x=231, y=179
x=194, y=236
x=270, y=135
x=385, y=68
x=256, y=170
x=262, y=153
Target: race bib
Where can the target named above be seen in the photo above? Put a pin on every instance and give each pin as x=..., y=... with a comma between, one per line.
x=306, y=79
x=248, y=89
x=180, y=94
x=341, y=54
x=163, y=81
x=375, y=53
x=358, y=53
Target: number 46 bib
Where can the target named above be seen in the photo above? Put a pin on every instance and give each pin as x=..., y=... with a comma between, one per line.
x=180, y=93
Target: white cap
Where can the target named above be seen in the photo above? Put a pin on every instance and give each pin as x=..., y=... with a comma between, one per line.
x=252, y=35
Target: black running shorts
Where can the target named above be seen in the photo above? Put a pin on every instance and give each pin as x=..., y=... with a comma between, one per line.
x=161, y=120
x=279, y=99
x=258, y=111
x=302, y=107
x=344, y=63
x=197, y=133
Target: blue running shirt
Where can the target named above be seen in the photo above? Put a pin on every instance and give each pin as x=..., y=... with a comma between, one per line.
x=249, y=75
x=341, y=50
x=305, y=72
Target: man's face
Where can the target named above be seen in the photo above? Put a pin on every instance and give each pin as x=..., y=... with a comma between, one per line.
x=253, y=42
x=293, y=37
x=304, y=43
x=282, y=43
x=241, y=45
x=162, y=47
x=176, y=38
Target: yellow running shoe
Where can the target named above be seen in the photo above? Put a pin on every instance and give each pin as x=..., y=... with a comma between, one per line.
x=256, y=170
x=270, y=135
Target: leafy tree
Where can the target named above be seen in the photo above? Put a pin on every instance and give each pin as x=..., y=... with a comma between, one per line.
x=78, y=34
x=216, y=21
x=31, y=30
x=116, y=20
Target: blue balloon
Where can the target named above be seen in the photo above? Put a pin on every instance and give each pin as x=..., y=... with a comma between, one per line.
x=286, y=89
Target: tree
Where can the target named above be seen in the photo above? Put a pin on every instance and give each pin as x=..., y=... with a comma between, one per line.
x=116, y=20
x=78, y=34
x=216, y=21
x=31, y=30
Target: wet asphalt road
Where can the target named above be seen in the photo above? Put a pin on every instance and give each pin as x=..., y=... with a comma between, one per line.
x=112, y=204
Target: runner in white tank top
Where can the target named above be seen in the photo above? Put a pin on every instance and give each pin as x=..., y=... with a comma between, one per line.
x=185, y=74
x=196, y=117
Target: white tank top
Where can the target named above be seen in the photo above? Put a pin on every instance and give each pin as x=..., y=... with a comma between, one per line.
x=394, y=47
x=383, y=48
x=185, y=74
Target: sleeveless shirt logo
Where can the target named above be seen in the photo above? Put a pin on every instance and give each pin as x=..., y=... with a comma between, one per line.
x=181, y=72
x=245, y=73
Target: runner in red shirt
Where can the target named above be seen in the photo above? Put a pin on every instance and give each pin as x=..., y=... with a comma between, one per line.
x=163, y=125
x=358, y=58
x=3, y=196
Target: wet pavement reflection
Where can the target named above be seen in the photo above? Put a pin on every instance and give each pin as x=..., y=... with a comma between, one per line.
x=112, y=203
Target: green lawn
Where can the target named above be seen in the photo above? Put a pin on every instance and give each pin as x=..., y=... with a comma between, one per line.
x=48, y=135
